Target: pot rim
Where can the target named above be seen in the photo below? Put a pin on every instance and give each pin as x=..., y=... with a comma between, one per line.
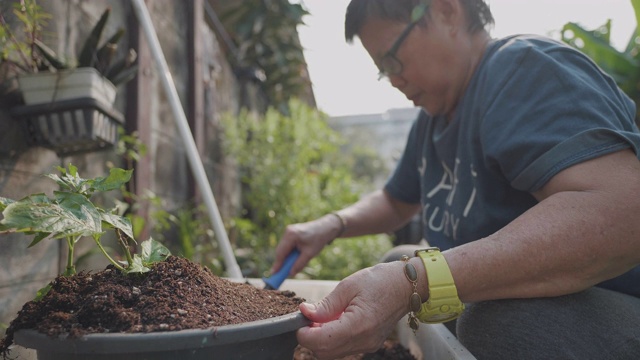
x=114, y=343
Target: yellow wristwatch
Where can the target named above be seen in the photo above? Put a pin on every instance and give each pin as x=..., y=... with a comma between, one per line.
x=443, y=304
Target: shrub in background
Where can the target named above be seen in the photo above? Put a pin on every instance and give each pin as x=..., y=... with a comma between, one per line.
x=292, y=170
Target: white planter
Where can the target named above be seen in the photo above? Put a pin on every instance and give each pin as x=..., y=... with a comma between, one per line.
x=47, y=87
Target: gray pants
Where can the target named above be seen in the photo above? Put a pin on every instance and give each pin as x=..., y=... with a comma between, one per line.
x=594, y=324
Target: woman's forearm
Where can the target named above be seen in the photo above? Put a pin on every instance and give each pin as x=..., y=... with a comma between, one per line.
x=581, y=235
x=377, y=213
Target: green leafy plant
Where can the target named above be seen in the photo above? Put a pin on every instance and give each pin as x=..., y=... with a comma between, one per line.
x=24, y=50
x=292, y=170
x=267, y=38
x=623, y=66
x=70, y=215
x=186, y=231
x=18, y=46
x=191, y=235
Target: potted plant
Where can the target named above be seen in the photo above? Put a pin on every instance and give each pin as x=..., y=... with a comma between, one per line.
x=152, y=305
x=44, y=77
x=68, y=103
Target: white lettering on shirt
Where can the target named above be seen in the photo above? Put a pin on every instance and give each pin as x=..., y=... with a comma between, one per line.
x=437, y=218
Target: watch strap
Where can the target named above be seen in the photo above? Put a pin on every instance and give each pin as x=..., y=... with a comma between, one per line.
x=443, y=303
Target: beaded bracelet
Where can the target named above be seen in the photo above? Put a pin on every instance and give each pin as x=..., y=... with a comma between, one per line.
x=343, y=224
x=415, y=301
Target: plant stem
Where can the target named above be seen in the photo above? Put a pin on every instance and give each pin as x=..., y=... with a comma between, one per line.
x=71, y=269
x=122, y=240
x=115, y=263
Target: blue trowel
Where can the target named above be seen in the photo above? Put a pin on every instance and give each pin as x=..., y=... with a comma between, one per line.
x=274, y=281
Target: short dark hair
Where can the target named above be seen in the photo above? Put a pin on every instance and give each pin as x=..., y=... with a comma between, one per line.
x=359, y=11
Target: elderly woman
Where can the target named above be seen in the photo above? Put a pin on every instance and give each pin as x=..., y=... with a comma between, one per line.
x=524, y=168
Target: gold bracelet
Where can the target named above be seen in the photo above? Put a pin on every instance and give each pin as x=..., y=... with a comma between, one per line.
x=343, y=224
x=415, y=301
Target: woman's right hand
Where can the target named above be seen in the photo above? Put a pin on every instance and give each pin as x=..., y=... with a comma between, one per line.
x=309, y=238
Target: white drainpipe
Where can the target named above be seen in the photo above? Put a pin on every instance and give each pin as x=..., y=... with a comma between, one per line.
x=142, y=13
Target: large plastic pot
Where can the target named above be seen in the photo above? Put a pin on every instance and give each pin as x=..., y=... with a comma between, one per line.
x=270, y=339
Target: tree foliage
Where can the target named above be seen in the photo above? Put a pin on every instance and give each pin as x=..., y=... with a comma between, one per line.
x=267, y=38
x=623, y=66
x=292, y=170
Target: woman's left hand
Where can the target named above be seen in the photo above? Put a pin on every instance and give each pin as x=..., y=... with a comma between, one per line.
x=359, y=314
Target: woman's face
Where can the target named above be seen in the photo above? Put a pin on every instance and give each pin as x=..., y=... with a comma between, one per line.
x=436, y=59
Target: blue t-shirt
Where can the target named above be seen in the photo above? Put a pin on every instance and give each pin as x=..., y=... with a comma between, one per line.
x=533, y=108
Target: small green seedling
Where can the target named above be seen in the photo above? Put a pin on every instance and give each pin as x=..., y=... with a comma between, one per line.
x=71, y=215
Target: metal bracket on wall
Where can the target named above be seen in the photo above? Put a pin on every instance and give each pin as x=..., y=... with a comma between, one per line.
x=70, y=126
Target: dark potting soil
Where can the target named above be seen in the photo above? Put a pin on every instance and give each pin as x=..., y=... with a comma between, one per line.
x=391, y=350
x=176, y=294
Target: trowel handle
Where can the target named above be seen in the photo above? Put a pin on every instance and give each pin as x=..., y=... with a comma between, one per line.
x=275, y=280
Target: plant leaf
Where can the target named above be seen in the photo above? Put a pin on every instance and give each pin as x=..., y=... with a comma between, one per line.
x=107, y=51
x=60, y=181
x=88, y=53
x=117, y=222
x=632, y=45
x=636, y=10
x=153, y=251
x=73, y=170
x=4, y=202
x=621, y=66
x=123, y=69
x=83, y=211
x=42, y=292
x=124, y=76
x=137, y=266
x=117, y=177
x=69, y=215
x=71, y=181
x=50, y=55
x=39, y=237
x=32, y=199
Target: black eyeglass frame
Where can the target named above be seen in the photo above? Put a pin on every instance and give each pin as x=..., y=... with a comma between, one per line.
x=389, y=63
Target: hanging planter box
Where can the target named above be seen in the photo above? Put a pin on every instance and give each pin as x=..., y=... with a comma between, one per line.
x=70, y=127
x=48, y=87
x=69, y=111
